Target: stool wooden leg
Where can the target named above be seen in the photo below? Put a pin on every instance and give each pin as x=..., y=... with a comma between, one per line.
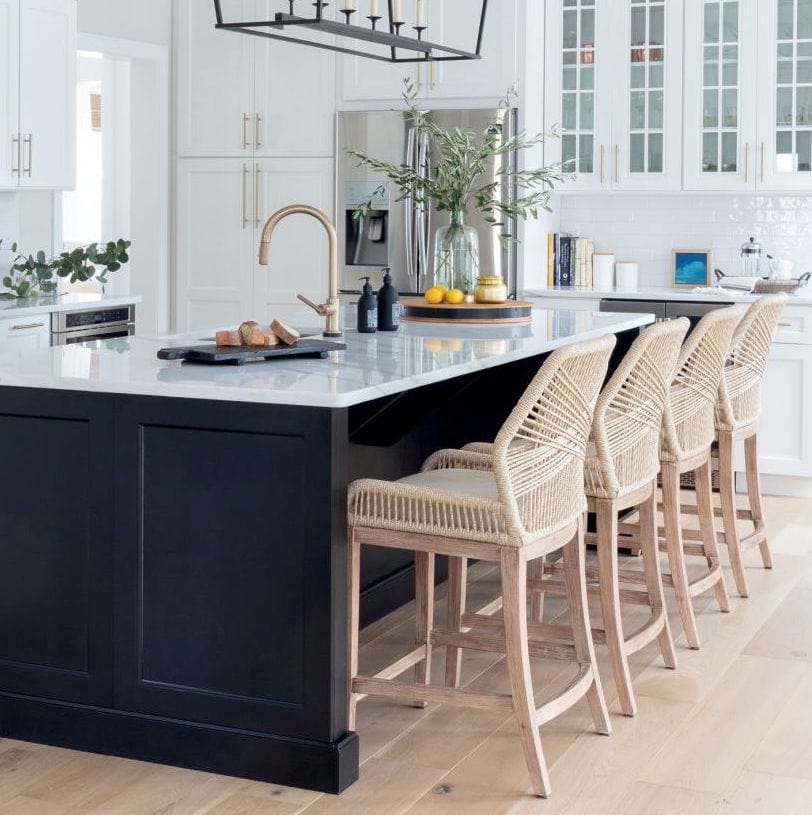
x=514, y=609
x=535, y=571
x=754, y=494
x=672, y=515
x=727, y=490
x=424, y=614
x=457, y=578
x=654, y=579
x=353, y=621
x=704, y=503
x=610, y=603
x=575, y=582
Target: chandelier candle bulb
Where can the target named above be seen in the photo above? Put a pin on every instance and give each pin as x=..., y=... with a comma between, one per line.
x=373, y=8
x=397, y=11
x=421, y=13
x=349, y=5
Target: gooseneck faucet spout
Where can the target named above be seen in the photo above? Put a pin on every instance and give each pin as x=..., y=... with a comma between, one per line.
x=331, y=309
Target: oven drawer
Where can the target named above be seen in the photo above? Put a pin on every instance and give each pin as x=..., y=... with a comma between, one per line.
x=99, y=332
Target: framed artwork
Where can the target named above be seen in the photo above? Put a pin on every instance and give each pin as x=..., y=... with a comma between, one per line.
x=692, y=267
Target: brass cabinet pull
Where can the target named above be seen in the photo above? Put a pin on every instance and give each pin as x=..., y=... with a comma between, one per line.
x=257, y=177
x=245, y=142
x=15, y=148
x=244, y=193
x=617, y=164
x=786, y=325
x=257, y=131
x=29, y=140
x=763, y=153
x=603, y=164
x=27, y=326
x=747, y=163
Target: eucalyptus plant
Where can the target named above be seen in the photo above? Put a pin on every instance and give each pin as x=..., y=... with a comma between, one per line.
x=454, y=183
x=35, y=274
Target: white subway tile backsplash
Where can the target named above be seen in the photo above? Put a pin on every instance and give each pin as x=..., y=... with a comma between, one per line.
x=648, y=228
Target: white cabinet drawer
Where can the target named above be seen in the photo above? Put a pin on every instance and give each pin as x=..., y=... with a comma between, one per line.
x=25, y=333
x=795, y=326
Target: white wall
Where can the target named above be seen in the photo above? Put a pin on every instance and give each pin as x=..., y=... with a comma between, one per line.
x=647, y=228
x=142, y=20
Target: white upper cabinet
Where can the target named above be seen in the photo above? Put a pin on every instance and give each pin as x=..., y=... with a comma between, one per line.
x=38, y=94
x=48, y=93
x=721, y=75
x=450, y=22
x=9, y=92
x=614, y=88
x=785, y=95
x=240, y=95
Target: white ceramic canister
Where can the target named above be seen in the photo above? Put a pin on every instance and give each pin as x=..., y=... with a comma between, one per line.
x=627, y=275
x=603, y=271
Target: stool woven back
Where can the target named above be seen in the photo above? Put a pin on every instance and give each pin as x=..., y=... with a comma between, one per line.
x=739, y=400
x=538, y=456
x=688, y=426
x=629, y=413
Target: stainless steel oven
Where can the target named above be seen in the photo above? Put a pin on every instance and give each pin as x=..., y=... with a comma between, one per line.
x=104, y=323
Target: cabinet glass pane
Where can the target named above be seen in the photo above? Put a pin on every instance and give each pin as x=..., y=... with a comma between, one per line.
x=578, y=85
x=720, y=86
x=793, y=92
x=647, y=94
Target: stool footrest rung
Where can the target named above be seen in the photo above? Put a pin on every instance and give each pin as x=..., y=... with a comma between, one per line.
x=411, y=692
x=403, y=664
x=575, y=691
x=646, y=633
x=481, y=642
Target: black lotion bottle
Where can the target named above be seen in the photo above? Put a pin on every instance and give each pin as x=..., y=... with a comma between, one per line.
x=388, y=305
x=367, y=310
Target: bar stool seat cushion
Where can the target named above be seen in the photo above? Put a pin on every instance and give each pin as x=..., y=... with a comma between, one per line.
x=475, y=483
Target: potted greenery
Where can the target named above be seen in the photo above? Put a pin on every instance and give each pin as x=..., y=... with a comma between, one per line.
x=36, y=274
x=456, y=184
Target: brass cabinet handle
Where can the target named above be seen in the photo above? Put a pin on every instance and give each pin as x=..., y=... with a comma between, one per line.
x=257, y=176
x=763, y=152
x=786, y=325
x=617, y=164
x=29, y=140
x=245, y=142
x=747, y=163
x=603, y=164
x=244, y=193
x=257, y=131
x=26, y=327
x=15, y=148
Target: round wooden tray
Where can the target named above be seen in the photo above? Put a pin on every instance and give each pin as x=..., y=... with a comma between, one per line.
x=514, y=311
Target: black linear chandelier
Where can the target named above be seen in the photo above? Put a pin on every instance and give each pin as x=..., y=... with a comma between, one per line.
x=387, y=29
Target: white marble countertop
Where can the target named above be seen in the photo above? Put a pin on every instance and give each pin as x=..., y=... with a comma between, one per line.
x=374, y=365
x=802, y=298
x=28, y=307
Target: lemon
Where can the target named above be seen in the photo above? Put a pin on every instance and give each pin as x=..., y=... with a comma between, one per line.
x=440, y=286
x=435, y=295
x=455, y=297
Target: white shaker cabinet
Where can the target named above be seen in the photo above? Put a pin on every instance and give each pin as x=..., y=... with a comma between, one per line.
x=25, y=333
x=222, y=205
x=38, y=94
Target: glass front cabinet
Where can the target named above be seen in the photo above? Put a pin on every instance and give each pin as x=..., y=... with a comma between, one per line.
x=659, y=95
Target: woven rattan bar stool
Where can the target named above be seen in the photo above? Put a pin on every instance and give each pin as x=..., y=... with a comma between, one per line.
x=621, y=474
x=687, y=438
x=737, y=414
x=521, y=503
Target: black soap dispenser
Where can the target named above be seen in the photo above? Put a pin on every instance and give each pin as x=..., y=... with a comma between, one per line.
x=367, y=310
x=388, y=305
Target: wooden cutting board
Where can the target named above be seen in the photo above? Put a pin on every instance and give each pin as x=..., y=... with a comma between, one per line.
x=514, y=311
x=215, y=355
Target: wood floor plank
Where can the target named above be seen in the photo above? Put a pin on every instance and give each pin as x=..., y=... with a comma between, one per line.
x=651, y=799
x=762, y=794
x=21, y=805
x=22, y=763
x=241, y=804
x=708, y=750
x=787, y=634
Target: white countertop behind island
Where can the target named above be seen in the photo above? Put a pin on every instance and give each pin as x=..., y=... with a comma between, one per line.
x=13, y=307
x=373, y=366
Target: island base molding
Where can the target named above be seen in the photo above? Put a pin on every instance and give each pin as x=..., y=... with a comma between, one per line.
x=321, y=766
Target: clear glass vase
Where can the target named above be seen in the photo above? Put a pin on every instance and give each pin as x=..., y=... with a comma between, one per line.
x=456, y=255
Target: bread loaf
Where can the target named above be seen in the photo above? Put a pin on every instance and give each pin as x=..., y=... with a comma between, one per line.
x=252, y=334
x=270, y=340
x=288, y=335
x=228, y=339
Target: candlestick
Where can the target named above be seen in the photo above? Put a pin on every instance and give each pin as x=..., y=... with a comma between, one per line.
x=421, y=13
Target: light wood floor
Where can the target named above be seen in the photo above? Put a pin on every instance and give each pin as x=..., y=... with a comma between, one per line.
x=728, y=732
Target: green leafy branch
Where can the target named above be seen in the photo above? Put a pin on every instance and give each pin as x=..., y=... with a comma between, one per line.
x=36, y=273
x=463, y=157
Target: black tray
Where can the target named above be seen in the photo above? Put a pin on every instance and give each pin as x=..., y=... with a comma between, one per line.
x=215, y=355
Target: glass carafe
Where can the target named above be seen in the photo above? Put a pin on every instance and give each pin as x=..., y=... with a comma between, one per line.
x=751, y=254
x=456, y=255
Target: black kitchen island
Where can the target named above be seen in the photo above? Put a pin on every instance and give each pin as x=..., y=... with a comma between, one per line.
x=172, y=536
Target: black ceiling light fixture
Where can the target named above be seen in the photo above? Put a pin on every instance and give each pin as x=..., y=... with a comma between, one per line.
x=388, y=26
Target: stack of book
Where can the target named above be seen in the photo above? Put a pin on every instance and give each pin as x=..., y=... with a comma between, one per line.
x=569, y=261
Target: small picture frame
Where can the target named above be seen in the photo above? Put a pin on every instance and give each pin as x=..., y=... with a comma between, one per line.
x=692, y=268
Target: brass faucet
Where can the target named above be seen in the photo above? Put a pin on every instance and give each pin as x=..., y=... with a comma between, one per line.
x=331, y=309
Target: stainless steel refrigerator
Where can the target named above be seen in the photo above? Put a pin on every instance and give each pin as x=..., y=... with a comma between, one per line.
x=400, y=234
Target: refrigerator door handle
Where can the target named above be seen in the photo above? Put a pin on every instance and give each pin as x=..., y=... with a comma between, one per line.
x=409, y=210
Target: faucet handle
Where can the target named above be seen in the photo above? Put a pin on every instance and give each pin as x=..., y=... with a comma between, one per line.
x=321, y=310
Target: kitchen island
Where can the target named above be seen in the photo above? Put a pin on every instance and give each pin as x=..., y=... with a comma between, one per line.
x=173, y=536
